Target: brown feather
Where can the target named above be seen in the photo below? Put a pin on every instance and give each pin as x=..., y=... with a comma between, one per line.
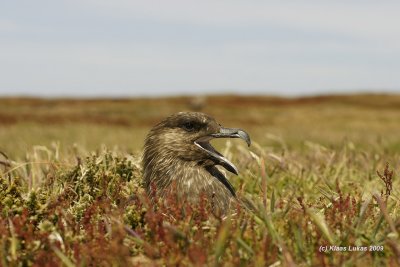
x=175, y=163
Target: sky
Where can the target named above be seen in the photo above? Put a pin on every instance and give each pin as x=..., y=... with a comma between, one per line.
x=91, y=48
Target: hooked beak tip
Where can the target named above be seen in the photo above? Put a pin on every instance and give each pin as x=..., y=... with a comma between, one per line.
x=233, y=133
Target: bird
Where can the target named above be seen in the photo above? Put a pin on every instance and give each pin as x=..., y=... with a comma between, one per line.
x=178, y=159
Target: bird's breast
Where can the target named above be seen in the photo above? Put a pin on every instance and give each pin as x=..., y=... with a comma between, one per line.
x=197, y=183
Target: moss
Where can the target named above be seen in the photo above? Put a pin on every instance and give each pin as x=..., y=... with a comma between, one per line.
x=134, y=216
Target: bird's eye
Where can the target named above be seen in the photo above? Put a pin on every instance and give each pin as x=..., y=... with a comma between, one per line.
x=189, y=126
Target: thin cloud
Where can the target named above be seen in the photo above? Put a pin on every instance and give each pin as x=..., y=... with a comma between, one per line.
x=8, y=26
x=162, y=47
x=351, y=17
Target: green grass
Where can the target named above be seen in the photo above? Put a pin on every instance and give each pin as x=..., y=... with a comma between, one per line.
x=70, y=191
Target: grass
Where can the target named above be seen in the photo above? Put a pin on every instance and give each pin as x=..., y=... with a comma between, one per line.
x=321, y=175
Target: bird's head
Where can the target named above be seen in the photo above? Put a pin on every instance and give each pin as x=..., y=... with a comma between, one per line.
x=186, y=136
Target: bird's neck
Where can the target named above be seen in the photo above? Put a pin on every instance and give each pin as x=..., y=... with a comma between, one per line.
x=171, y=171
x=187, y=180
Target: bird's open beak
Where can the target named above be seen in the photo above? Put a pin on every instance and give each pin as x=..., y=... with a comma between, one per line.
x=219, y=159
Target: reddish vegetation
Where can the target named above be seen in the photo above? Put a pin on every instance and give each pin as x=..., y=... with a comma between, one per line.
x=62, y=119
x=53, y=111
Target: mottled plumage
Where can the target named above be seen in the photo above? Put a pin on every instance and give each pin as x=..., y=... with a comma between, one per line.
x=179, y=159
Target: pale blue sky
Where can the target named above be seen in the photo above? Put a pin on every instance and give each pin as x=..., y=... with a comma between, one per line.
x=148, y=48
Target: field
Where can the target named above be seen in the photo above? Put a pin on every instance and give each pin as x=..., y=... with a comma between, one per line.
x=321, y=175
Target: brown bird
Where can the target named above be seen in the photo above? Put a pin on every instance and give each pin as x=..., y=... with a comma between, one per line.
x=178, y=159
